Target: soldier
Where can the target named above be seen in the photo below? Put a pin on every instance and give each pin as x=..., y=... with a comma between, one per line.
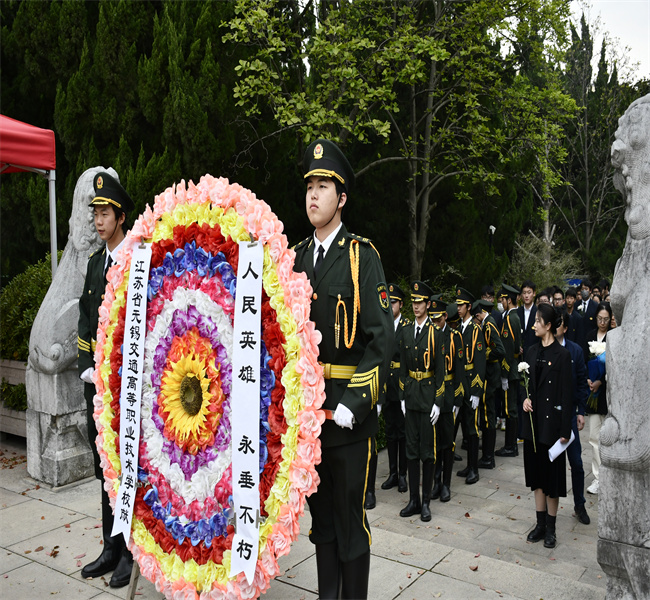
x=395, y=437
x=453, y=321
x=350, y=308
x=422, y=374
x=110, y=207
x=475, y=375
x=494, y=354
x=511, y=338
x=454, y=395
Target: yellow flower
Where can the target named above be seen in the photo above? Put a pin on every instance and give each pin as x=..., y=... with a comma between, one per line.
x=185, y=396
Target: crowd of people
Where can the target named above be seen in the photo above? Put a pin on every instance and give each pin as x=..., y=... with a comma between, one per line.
x=526, y=365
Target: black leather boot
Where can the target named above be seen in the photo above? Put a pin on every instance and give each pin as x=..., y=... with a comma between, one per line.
x=539, y=531
x=472, y=460
x=371, y=501
x=356, y=574
x=112, y=550
x=122, y=574
x=510, y=447
x=489, y=440
x=328, y=571
x=549, y=538
x=401, y=481
x=447, y=468
x=428, y=468
x=437, y=479
x=414, y=506
x=391, y=482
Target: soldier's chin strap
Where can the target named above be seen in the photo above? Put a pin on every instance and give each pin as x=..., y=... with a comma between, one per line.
x=354, y=269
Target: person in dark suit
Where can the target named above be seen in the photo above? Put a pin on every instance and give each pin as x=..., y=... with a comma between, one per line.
x=351, y=309
x=587, y=307
x=526, y=314
x=580, y=393
x=110, y=207
x=395, y=437
x=547, y=417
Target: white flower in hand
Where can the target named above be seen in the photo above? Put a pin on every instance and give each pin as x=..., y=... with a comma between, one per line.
x=523, y=367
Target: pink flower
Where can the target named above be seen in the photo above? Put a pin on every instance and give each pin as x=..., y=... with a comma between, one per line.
x=303, y=478
x=310, y=422
x=280, y=540
x=309, y=450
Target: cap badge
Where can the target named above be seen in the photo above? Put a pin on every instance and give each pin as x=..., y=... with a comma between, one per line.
x=100, y=182
x=458, y=292
x=391, y=288
x=416, y=287
x=318, y=151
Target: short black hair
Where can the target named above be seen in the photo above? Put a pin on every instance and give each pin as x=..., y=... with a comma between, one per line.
x=558, y=290
x=487, y=290
x=565, y=318
x=529, y=284
x=573, y=292
x=586, y=283
x=549, y=315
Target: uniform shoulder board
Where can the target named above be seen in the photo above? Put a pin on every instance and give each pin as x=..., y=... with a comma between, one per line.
x=301, y=244
x=406, y=321
x=365, y=240
x=98, y=251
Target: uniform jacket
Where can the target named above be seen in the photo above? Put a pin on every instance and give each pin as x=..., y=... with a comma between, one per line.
x=588, y=315
x=494, y=354
x=475, y=350
x=455, y=381
x=371, y=349
x=528, y=337
x=424, y=354
x=89, y=303
x=551, y=395
x=511, y=339
x=392, y=385
x=579, y=373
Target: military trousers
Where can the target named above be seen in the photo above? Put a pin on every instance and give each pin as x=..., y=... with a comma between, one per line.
x=420, y=436
x=394, y=419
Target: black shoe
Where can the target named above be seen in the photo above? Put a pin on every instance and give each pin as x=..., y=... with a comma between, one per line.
x=472, y=477
x=371, y=501
x=413, y=507
x=391, y=482
x=507, y=451
x=105, y=563
x=486, y=462
x=401, y=485
x=425, y=513
x=445, y=493
x=122, y=574
x=583, y=517
x=536, y=534
x=463, y=472
x=457, y=457
x=549, y=539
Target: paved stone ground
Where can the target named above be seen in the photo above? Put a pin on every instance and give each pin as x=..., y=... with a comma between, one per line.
x=474, y=547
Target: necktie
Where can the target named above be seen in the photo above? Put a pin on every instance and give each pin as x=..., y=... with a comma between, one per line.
x=319, y=260
x=417, y=332
x=109, y=264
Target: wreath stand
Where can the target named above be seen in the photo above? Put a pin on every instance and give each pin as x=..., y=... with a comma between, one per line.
x=133, y=582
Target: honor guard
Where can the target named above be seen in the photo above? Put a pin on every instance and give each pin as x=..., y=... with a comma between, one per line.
x=453, y=399
x=351, y=309
x=393, y=415
x=511, y=338
x=475, y=375
x=494, y=353
x=110, y=206
x=422, y=373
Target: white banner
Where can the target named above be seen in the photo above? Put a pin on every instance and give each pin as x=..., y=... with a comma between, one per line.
x=245, y=407
x=135, y=329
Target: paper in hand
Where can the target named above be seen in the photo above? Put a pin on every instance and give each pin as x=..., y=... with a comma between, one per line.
x=556, y=449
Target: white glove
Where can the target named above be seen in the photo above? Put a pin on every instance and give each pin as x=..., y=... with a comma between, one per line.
x=474, y=401
x=87, y=375
x=343, y=416
x=403, y=403
x=435, y=413
x=456, y=411
x=504, y=383
x=378, y=409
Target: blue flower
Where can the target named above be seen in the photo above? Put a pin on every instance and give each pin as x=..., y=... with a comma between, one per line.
x=202, y=258
x=179, y=262
x=168, y=264
x=190, y=262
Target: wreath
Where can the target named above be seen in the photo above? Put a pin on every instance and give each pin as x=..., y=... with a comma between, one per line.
x=181, y=532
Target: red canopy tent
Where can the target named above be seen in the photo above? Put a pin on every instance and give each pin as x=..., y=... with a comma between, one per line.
x=24, y=147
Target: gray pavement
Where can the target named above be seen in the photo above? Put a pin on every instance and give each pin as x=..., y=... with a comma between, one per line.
x=474, y=547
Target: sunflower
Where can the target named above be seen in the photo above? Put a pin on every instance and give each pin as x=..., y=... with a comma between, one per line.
x=185, y=396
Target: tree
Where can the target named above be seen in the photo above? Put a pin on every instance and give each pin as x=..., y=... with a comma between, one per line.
x=433, y=86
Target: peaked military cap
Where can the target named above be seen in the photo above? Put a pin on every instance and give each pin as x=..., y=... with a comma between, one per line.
x=463, y=296
x=325, y=159
x=438, y=306
x=109, y=191
x=508, y=290
x=481, y=305
x=420, y=291
x=452, y=313
x=395, y=292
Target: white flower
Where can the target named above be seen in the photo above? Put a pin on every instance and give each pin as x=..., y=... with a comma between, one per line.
x=523, y=367
x=597, y=348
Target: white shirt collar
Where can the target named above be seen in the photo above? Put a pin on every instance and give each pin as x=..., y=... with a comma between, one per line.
x=396, y=321
x=326, y=243
x=113, y=253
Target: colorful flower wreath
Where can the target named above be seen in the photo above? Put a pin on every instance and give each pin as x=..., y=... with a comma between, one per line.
x=181, y=531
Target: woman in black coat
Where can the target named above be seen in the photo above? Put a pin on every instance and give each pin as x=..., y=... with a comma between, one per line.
x=547, y=418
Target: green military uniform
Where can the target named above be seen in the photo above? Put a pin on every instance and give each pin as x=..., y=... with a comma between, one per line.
x=474, y=343
x=393, y=416
x=511, y=338
x=422, y=375
x=350, y=308
x=487, y=408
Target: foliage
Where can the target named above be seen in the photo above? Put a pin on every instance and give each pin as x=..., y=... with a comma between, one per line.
x=529, y=263
x=19, y=304
x=14, y=397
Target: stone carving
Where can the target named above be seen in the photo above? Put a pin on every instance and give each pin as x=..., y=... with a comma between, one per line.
x=57, y=438
x=624, y=508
